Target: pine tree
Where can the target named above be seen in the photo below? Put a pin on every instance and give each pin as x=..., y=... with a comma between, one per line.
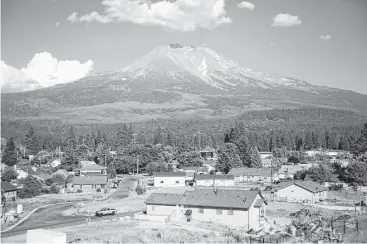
x=124, y=136
x=243, y=149
x=71, y=138
x=10, y=154
x=255, y=159
x=158, y=137
x=31, y=142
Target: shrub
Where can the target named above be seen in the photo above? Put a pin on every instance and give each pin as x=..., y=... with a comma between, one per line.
x=337, y=187
x=98, y=189
x=140, y=190
x=32, y=187
x=9, y=174
x=79, y=191
x=46, y=190
x=55, y=188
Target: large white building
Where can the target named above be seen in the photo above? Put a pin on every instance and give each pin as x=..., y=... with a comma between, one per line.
x=214, y=180
x=169, y=179
x=300, y=191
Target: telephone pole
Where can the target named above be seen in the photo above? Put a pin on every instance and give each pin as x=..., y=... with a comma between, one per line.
x=137, y=164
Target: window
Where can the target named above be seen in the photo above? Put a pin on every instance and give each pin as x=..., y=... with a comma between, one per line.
x=230, y=212
x=262, y=211
x=219, y=211
x=201, y=210
x=161, y=181
x=81, y=186
x=153, y=208
x=177, y=182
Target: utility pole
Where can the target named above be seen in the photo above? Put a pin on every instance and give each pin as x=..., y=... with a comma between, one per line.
x=271, y=174
x=137, y=164
x=199, y=141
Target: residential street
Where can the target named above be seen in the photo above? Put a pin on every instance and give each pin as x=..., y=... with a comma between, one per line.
x=52, y=217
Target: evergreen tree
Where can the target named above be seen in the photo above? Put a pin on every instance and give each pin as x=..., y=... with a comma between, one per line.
x=31, y=142
x=71, y=138
x=228, y=158
x=360, y=146
x=170, y=139
x=158, y=137
x=255, y=159
x=124, y=136
x=243, y=149
x=10, y=154
x=308, y=140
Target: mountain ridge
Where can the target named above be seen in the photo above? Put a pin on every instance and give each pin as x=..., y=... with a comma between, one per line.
x=174, y=81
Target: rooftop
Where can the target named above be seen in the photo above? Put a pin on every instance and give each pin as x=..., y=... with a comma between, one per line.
x=7, y=187
x=223, y=198
x=215, y=177
x=90, y=180
x=169, y=174
x=163, y=199
x=265, y=172
x=308, y=185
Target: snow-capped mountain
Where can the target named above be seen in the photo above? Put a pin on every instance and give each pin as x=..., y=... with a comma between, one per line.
x=173, y=81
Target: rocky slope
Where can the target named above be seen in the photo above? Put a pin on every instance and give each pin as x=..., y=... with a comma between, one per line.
x=174, y=81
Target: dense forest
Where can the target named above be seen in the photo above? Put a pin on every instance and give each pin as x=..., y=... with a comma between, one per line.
x=294, y=128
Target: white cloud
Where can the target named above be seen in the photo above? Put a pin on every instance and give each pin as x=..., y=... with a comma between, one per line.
x=325, y=37
x=286, y=20
x=247, y=5
x=57, y=24
x=180, y=15
x=42, y=71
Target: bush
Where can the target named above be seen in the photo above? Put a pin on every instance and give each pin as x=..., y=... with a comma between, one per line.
x=55, y=188
x=140, y=190
x=98, y=189
x=79, y=191
x=9, y=174
x=32, y=187
x=46, y=190
x=337, y=187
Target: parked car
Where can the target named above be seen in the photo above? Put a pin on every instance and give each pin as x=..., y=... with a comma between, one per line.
x=106, y=211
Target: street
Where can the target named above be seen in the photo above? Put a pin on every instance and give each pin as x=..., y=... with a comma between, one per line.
x=51, y=217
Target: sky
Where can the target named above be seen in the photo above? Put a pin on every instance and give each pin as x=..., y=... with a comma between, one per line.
x=47, y=42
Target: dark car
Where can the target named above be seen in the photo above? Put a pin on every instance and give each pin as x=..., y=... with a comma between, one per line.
x=106, y=211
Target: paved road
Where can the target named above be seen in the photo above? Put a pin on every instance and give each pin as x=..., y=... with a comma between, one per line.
x=51, y=217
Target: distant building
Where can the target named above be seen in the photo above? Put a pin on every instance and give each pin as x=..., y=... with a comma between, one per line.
x=334, y=180
x=91, y=168
x=10, y=191
x=256, y=175
x=266, y=155
x=267, y=162
x=21, y=174
x=61, y=172
x=208, y=154
x=300, y=191
x=54, y=162
x=169, y=179
x=288, y=171
x=90, y=183
x=214, y=180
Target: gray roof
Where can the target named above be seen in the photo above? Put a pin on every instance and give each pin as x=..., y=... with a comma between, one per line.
x=216, y=177
x=7, y=186
x=163, y=199
x=311, y=186
x=222, y=198
x=169, y=174
x=265, y=172
x=90, y=180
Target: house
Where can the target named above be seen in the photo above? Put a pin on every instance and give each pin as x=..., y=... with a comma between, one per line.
x=225, y=206
x=21, y=174
x=208, y=154
x=288, y=171
x=312, y=153
x=267, y=162
x=91, y=168
x=10, y=191
x=257, y=175
x=300, y=191
x=54, y=162
x=3, y=166
x=214, y=180
x=113, y=153
x=266, y=155
x=209, y=164
x=89, y=183
x=162, y=203
x=169, y=179
x=61, y=172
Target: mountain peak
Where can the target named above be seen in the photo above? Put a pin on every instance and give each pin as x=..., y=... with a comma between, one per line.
x=177, y=45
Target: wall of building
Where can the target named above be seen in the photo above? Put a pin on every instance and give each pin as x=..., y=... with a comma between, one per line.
x=294, y=193
x=169, y=181
x=209, y=182
x=9, y=195
x=239, y=218
x=255, y=178
x=88, y=188
x=159, y=209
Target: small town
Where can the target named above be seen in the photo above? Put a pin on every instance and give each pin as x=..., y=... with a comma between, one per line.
x=183, y=121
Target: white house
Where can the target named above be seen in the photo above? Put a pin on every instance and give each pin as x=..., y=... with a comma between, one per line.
x=300, y=191
x=288, y=171
x=54, y=162
x=239, y=208
x=257, y=175
x=162, y=203
x=21, y=174
x=208, y=154
x=334, y=180
x=214, y=180
x=91, y=168
x=169, y=179
x=230, y=207
x=266, y=155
